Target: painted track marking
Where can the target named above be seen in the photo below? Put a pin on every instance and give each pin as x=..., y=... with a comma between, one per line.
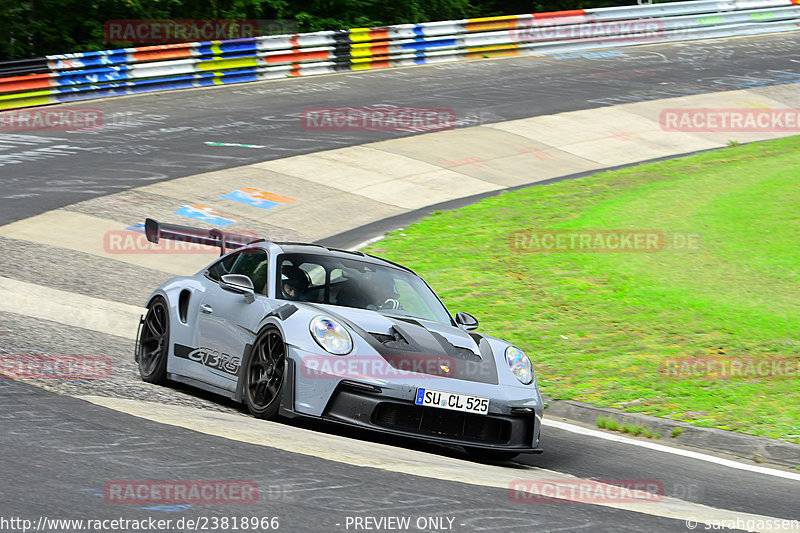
x=668, y=449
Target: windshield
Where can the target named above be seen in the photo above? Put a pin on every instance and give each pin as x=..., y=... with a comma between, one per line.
x=353, y=283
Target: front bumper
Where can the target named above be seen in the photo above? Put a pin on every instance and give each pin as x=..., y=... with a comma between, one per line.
x=353, y=404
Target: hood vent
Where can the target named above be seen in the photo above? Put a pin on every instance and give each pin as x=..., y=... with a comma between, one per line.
x=429, y=352
x=455, y=351
x=394, y=340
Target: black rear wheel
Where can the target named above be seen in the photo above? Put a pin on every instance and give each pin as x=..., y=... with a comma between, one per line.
x=154, y=343
x=263, y=378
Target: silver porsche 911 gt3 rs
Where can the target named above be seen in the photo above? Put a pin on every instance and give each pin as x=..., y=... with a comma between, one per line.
x=302, y=330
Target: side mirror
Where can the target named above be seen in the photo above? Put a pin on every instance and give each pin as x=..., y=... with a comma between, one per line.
x=466, y=321
x=239, y=284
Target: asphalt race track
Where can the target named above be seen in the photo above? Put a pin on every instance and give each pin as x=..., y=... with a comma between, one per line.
x=306, y=494
x=59, y=452
x=149, y=138
x=76, y=456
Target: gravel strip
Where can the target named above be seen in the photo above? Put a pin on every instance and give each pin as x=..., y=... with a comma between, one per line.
x=78, y=272
x=20, y=335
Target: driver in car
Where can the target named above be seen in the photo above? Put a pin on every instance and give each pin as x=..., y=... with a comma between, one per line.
x=294, y=283
x=386, y=296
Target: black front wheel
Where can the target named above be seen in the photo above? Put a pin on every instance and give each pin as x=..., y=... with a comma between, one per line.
x=263, y=377
x=154, y=343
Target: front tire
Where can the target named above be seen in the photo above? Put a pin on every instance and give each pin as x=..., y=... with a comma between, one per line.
x=154, y=343
x=264, y=375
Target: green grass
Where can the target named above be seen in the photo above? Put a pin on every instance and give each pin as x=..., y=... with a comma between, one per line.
x=613, y=425
x=597, y=326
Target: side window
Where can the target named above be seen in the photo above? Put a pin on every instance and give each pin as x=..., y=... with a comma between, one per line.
x=251, y=263
x=221, y=267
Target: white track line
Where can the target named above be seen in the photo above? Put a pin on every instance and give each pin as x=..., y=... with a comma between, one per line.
x=72, y=309
x=393, y=459
x=668, y=449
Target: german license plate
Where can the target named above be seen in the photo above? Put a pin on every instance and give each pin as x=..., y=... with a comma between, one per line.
x=453, y=401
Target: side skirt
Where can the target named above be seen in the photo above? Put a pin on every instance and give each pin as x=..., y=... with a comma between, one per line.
x=201, y=385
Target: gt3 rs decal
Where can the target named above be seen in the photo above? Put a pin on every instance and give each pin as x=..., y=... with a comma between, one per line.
x=229, y=364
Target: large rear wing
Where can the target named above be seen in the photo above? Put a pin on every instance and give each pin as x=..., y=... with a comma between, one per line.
x=155, y=231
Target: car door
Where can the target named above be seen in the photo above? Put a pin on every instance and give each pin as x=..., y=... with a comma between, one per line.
x=226, y=322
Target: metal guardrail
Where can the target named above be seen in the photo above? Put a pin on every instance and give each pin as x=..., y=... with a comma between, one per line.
x=72, y=77
x=23, y=66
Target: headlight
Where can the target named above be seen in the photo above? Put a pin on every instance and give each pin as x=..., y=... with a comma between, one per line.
x=520, y=365
x=331, y=335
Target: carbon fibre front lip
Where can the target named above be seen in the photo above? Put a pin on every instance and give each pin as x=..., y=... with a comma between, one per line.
x=434, y=440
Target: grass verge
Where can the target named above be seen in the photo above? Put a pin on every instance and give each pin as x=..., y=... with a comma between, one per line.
x=676, y=333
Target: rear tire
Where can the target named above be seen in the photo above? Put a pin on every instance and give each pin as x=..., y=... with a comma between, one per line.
x=264, y=374
x=154, y=343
